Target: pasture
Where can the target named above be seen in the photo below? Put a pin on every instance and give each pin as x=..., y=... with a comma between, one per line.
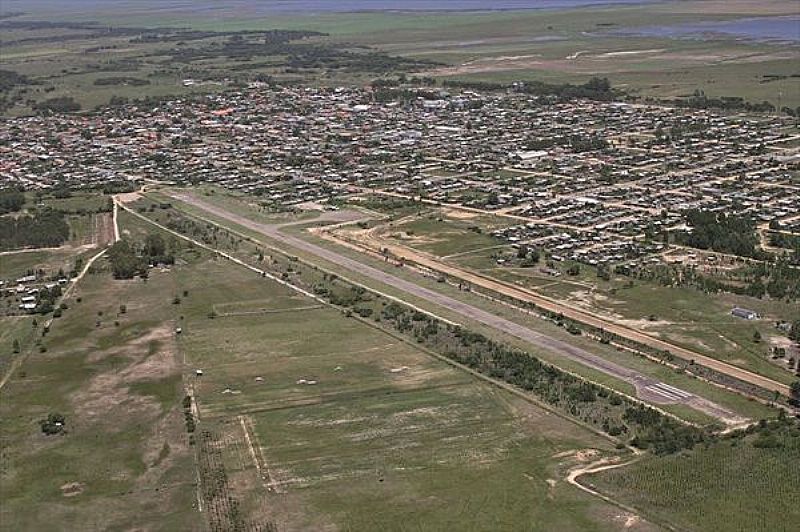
x=558, y=45
x=345, y=425
x=122, y=458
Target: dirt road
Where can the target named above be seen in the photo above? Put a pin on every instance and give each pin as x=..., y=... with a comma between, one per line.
x=571, y=312
x=647, y=388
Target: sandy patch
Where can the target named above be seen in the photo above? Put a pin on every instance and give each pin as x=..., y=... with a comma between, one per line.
x=460, y=215
x=110, y=390
x=586, y=455
x=581, y=455
x=128, y=197
x=71, y=489
x=631, y=52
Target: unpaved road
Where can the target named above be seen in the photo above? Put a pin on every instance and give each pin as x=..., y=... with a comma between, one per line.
x=647, y=388
x=523, y=294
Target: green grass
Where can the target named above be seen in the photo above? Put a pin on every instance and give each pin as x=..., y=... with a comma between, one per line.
x=79, y=202
x=367, y=447
x=441, y=235
x=19, y=328
x=748, y=408
x=120, y=391
x=15, y=265
x=730, y=486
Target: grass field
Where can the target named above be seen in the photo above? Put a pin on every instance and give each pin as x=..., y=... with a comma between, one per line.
x=731, y=486
x=351, y=421
x=123, y=458
x=443, y=235
x=555, y=45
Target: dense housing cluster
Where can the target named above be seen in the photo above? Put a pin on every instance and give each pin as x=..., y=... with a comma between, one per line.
x=591, y=181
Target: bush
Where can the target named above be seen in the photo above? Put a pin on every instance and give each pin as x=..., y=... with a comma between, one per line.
x=54, y=424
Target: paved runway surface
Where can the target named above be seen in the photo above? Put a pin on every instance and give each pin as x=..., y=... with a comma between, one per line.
x=647, y=388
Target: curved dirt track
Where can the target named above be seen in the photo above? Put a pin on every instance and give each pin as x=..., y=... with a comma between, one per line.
x=647, y=388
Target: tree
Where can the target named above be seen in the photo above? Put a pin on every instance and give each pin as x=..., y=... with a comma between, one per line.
x=11, y=200
x=794, y=333
x=795, y=390
x=53, y=424
x=154, y=245
x=15, y=346
x=124, y=262
x=756, y=337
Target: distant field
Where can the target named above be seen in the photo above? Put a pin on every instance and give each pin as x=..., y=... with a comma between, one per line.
x=555, y=45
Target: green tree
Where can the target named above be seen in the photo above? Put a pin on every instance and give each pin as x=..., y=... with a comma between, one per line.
x=154, y=245
x=125, y=264
x=795, y=390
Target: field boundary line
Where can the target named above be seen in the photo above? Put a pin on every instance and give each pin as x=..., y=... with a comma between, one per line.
x=267, y=480
x=271, y=247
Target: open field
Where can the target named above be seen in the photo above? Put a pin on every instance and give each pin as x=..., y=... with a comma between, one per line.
x=554, y=45
x=123, y=458
x=348, y=420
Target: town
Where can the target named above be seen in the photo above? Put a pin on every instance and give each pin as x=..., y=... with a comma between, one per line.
x=378, y=269
x=595, y=182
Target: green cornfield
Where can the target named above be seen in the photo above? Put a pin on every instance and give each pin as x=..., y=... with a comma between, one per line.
x=743, y=484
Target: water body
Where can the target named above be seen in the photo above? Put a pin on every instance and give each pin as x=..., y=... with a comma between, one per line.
x=765, y=29
x=301, y=7
x=348, y=6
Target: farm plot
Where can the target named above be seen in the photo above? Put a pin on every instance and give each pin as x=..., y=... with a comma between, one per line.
x=741, y=485
x=322, y=420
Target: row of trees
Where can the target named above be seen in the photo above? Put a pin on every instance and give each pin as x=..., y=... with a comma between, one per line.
x=59, y=104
